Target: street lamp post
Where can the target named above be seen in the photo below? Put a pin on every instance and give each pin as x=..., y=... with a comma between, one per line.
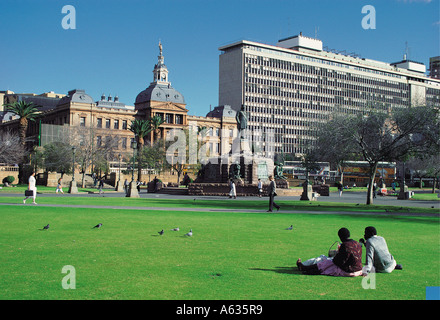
x=133, y=192
x=404, y=192
x=73, y=188
x=119, y=186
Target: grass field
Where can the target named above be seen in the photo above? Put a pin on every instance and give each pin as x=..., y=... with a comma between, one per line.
x=232, y=255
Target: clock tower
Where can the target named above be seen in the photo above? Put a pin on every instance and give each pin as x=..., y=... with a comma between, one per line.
x=160, y=69
x=161, y=99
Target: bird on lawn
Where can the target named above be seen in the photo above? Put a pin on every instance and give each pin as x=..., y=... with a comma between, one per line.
x=175, y=229
x=46, y=227
x=190, y=233
x=160, y=232
x=290, y=228
x=99, y=225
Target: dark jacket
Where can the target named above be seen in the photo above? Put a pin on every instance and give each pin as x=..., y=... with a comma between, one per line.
x=272, y=188
x=349, y=256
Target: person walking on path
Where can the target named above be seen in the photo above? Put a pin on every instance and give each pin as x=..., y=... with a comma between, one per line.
x=101, y=185
x=59, y=187
x=260, y=188
x=32, y=187
x=233, y=191
x=340, y=188
x=272, y=194
x=374, y=189
x=126, y=185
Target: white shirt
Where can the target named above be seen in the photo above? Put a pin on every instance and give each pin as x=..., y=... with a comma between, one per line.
x=32, y=182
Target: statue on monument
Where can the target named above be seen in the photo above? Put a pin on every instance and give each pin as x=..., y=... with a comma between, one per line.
x=235, y=171
x=241, y=119
x=278, y=172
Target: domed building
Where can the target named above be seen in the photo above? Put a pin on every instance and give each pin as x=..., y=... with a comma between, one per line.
x=161, y=99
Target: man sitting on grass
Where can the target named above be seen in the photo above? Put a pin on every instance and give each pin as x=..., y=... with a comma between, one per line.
x=377, y=254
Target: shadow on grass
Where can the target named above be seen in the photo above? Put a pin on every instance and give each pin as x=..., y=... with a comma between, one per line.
x=285, y=270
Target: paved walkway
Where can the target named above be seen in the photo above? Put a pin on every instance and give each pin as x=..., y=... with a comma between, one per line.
x=347, y=197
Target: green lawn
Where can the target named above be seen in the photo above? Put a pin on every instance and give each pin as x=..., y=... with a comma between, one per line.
x=232, y=255
x=257, y=204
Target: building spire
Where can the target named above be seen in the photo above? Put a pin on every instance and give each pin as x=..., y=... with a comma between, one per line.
x=160, y=70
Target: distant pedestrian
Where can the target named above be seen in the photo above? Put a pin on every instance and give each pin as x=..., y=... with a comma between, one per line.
x=95, y=180
x=340, y=188
x=126, y=184
x=260, y=188
x=232, y=191
x=393, y=186
x=101, y=185
x=374, y=189
x=32, y=187
x=59, y=187
x=272, y=194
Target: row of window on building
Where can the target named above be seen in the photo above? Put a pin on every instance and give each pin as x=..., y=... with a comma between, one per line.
x=107, y=123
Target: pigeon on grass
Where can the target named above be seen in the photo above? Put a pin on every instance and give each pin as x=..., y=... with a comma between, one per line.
x=46, y=227
x=290, y=228
x=190, y=233
x=160, y=232
x=99, y=225
x=175, y=229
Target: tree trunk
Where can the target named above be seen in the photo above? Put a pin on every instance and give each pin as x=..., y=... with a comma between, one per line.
x=373, y=169
x=139, y=156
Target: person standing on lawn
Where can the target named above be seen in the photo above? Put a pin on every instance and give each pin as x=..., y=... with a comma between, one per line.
x=232, y=190
x=272, y=193
x=32, y=186
x=59, y=187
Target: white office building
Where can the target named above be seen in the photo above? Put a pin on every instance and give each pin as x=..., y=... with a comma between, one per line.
x=288, y=88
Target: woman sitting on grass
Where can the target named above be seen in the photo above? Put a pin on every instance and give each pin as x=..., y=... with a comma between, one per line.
x=346, y=263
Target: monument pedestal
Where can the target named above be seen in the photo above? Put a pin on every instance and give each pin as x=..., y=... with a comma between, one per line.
x=73, y=188
x=307, y=192
x=249, y=167
x=404, y=193
x=119, y=186
x=282, y=183
x=132, y=190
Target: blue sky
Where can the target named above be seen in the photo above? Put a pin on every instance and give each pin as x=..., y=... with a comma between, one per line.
x=115, y=44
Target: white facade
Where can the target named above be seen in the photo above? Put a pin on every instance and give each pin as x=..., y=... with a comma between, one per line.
x=290, y=89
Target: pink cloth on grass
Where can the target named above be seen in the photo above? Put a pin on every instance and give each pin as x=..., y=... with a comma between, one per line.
x=328, y=268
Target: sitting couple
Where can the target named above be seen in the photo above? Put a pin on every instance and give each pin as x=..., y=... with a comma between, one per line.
x=348, y=261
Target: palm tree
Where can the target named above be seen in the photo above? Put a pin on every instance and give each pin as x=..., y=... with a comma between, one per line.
x=156, y=121
x=26, y=111
x=141, y=128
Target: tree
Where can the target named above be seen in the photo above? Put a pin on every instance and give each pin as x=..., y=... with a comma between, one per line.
x=89, y=154
x=333, y=146
x=153, y=155
x=11, y=150
x=378, y=136
x=141, y=128
x=58, y=157
x=309, y=162
x=26, y=111
x=156, y=121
